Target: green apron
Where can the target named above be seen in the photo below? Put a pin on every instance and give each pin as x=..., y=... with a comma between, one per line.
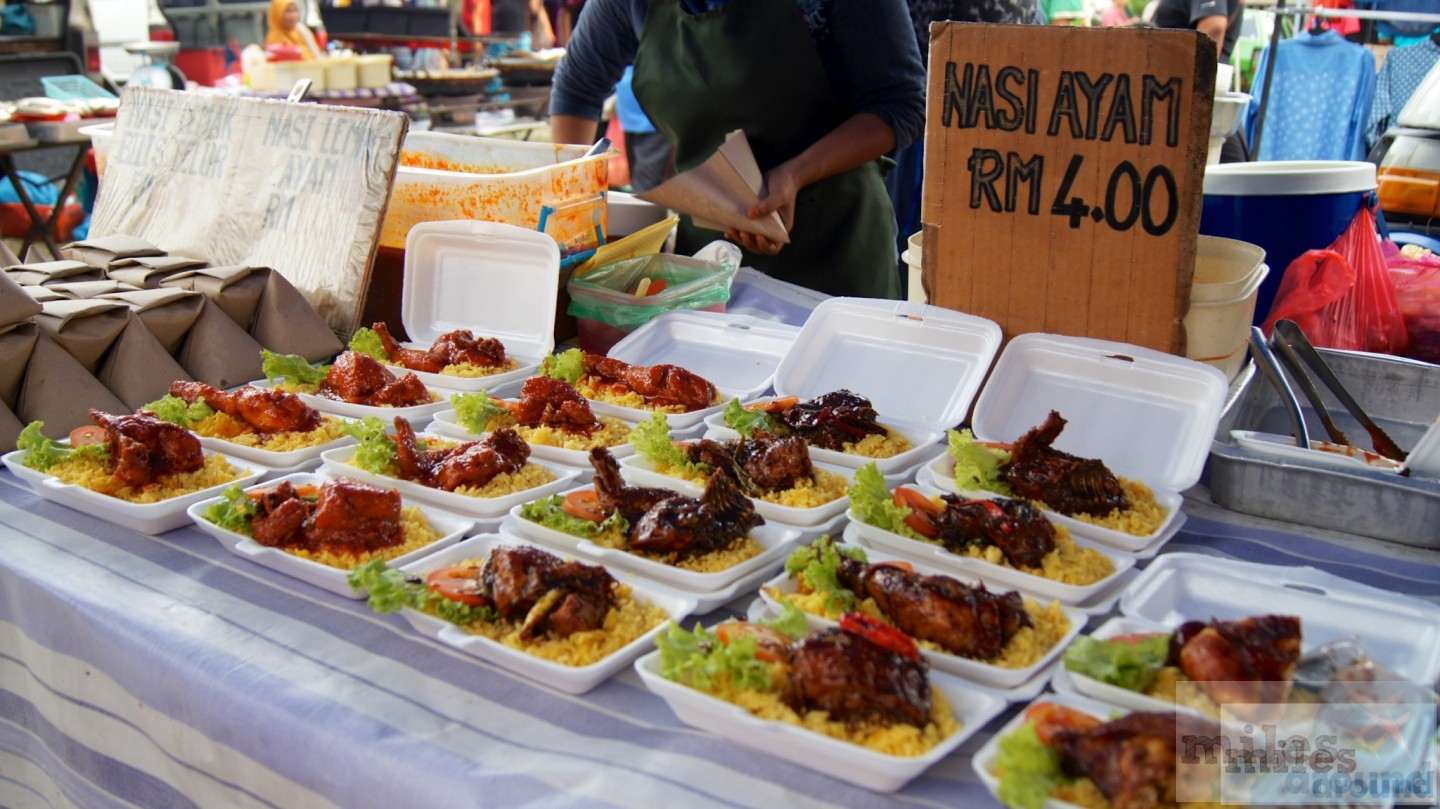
x=752, y=65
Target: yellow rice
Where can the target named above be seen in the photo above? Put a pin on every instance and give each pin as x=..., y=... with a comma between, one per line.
x=628, y=620
x=877, y=445
x=1143, y=518
x=614, y=433
x=895, y=740
x=228, y=428
x=1068, y=562
x=93, y=474
x=601, y=391
x=414, y=528
x=467, y=370
x=314, y=390
x=1024, y=649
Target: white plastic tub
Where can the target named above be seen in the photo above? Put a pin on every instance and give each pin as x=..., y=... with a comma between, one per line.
x=1217, y=332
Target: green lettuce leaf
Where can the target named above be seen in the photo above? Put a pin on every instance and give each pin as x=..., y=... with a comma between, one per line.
x=1131, y=666
x=45, y=453
x=366, y=341
x=549, y=512
x=292, y=367
x=652, y=442
x=819, y=563
x=977, y=466
x=568, y=366
x=1028, y=769
x=700, y=660
x=873, y=502
x=475, y=410
x=376, y=451
x=790, y=622
x=233, y=512
x=177, y=411
x=746, y=422
x=390, y=590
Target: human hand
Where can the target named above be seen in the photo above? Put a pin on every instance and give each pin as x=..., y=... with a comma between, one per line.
x=781, y=187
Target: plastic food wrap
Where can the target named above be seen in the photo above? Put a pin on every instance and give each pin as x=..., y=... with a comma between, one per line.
x=1416, y=273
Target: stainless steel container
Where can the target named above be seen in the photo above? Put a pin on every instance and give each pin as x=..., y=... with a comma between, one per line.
x=1403, y=396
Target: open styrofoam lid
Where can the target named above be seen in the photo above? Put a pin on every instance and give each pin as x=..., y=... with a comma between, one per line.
x=919, y=365
x=736, y=353
x=1148, y=415
x=1399, y=632
x=497, y=280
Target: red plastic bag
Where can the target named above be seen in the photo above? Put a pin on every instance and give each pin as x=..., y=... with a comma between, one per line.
x=1343, y=297
x=1416, y=274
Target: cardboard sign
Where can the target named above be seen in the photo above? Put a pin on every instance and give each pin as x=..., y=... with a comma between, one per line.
x=301, y=188
x=1063, y=171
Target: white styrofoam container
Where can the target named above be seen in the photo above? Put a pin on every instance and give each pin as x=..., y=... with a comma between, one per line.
x=919, y=365
x=1149, y=416
x=736, y=353
x=1065, y=681
x=569, y=679
x=496, y=280
x=976, y=671
x=640, y=471
x=1400, y=632
x=973, y=707
x=271, y=459
x=449, y=528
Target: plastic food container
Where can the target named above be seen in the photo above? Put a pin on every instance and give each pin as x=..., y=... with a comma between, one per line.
x=737, y=353
x=1228, y=275
x=373, y=70
x=341, y=73
x=611, y=301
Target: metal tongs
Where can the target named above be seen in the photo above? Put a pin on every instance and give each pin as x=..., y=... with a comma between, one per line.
x=1293, y=348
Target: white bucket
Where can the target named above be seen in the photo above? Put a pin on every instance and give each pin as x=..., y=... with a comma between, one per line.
x=1217, y=329
x=912, y=258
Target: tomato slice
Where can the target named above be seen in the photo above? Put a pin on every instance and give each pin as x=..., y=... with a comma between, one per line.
x=1134, y=638
x=458, y=583
x=777, y=405
x=881, y=634
x=905, y=566
x=923, y=512
x=584, y=505
x=770, y=644
x=1050, y=719
x=87, y=435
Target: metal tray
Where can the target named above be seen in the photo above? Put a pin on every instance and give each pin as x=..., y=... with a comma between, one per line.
x=1401, y=395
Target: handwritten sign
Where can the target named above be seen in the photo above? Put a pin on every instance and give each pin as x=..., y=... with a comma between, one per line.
x=1063, y=172
x=301, y=188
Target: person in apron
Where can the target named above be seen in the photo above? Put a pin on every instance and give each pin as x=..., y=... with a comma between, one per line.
x=823, y=89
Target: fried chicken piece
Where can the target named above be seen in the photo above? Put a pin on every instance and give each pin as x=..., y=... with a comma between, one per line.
x=773, y=463
x=546, y=592
x=718, y=455
x=459, y=347
x=144, y=448
x=361, y=379
x=612, y=494
x=265, y=410
x=280, y=517
x=1251, y=661
x=1068, y=484
x=1016, y=527
x=681, y=527
x=474, y=463
x=550, y=402
x=964, y=620
x=833, y=420
x=356, y=517
x=660, y=385
x=857, y=680
x=1131, y=759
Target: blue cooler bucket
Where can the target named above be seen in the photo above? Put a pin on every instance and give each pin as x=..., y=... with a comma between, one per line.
x=1284, y=206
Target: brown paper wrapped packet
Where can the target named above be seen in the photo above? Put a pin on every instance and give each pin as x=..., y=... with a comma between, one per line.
x=42, y=294
x=287, y=324
x=137, y=368
x=147, y=272
x=60, y=392
x=15, y=305
x=17, y=343
x=103, y=251
x=169, y=314
x=86, y=328
x=80, y=290
x=10, y=428
x=218, y=352
x=236, y=289
x=7, y=256
x=52, y=272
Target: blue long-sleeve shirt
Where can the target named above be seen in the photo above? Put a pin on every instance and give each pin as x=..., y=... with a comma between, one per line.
x=868, y=50
x=1399, y=78
x=1319, y=100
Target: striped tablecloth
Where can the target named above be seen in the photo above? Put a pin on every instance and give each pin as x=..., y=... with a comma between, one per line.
x=141, y=671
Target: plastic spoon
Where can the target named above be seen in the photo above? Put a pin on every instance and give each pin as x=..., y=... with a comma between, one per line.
x=1265, y=361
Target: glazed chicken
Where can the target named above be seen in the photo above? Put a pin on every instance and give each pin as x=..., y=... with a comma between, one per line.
x=360, y=379
x=964, y=620
x=1250, y=661
x=612, y=494
x=857, y=680
x=144, y=448
x=1068, y=484
x=346, y=517
x=458, y=347
x=658, y=385
x=548, y=593
x=680, y=527
x=833, y=420
x=265, y=410
x=474, y=463
x=546, y=401
x=1016, y=527
x=762, y=464
x=1130, y=759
